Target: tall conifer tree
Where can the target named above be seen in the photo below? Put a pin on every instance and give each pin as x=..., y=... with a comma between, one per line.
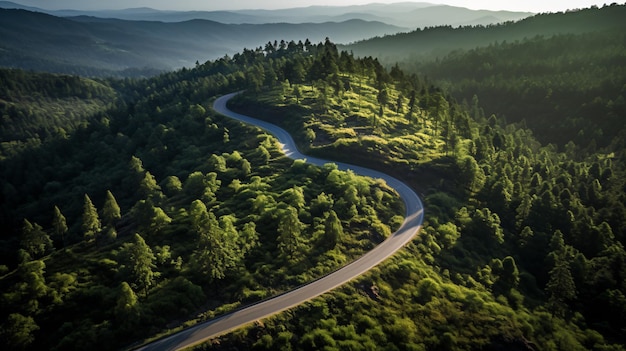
x=59, y=225
x=90, y=225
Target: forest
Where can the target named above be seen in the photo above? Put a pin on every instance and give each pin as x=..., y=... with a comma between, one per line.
x=567, y=88
x=139, y=211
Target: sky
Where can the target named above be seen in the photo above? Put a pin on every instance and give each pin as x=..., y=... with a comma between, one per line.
x=210, y=5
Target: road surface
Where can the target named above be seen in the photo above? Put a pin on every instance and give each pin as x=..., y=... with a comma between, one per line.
x=413, y=221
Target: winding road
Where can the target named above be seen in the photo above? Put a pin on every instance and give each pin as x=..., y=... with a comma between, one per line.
x=413, y=221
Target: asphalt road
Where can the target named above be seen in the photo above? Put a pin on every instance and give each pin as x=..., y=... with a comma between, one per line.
x=412, y=224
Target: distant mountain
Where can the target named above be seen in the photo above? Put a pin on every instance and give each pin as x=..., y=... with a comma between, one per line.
x=439, y=41
x=406, y=14
x=92, y=46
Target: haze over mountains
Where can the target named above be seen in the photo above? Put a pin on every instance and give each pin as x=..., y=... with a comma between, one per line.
x=110, y=42
x=429, y=43
x=410, y=15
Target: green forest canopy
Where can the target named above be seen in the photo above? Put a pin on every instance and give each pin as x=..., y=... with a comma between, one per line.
x=523, y=244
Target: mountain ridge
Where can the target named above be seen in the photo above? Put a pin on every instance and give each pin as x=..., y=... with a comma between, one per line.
x=441, y=40
x=397, y=14
x=114, y=45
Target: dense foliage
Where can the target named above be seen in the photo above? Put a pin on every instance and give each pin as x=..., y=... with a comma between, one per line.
x=431, y=43
x=156, y=210
x=161, y=210
x=565, y=88
x=37, y=107
x=523, y=245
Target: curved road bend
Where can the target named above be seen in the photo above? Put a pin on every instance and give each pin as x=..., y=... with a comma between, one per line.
x=411, y=225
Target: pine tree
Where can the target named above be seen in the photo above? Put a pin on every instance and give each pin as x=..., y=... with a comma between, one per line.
x=333, y=230
x=217, y=250
x=138, y=263
x=91, y=225
x=59, y=225
x=290, y=242
x=17, y=331
x=34, y=240
x=127, y=309
x=110, y=210
x=561, y=287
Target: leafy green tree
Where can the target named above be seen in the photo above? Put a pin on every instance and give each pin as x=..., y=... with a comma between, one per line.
x=34, y=240
x=138, y=264
x=59, y=225
x=90, y=224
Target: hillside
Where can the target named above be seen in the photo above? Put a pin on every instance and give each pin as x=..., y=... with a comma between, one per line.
x=569, y=89
x=438, y=41
x=38, y=107
x=155, y=213
x=561, y=75
x=518, y=233
x=160, y=211
x=96, y=47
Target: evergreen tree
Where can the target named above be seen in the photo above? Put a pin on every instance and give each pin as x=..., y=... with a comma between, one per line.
x=127, y=311
x=333, y=230
x=17, y=331
x=290, y=242
x=509, y=277
x=149, y=189
x=561, y=287
x=110, y=210
x=90, y=225
x=383, y=99
x=59, y=225
x=297, y=93
x=138, y=264
x=34, y=240
x=150, y=218
x=217, y=242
